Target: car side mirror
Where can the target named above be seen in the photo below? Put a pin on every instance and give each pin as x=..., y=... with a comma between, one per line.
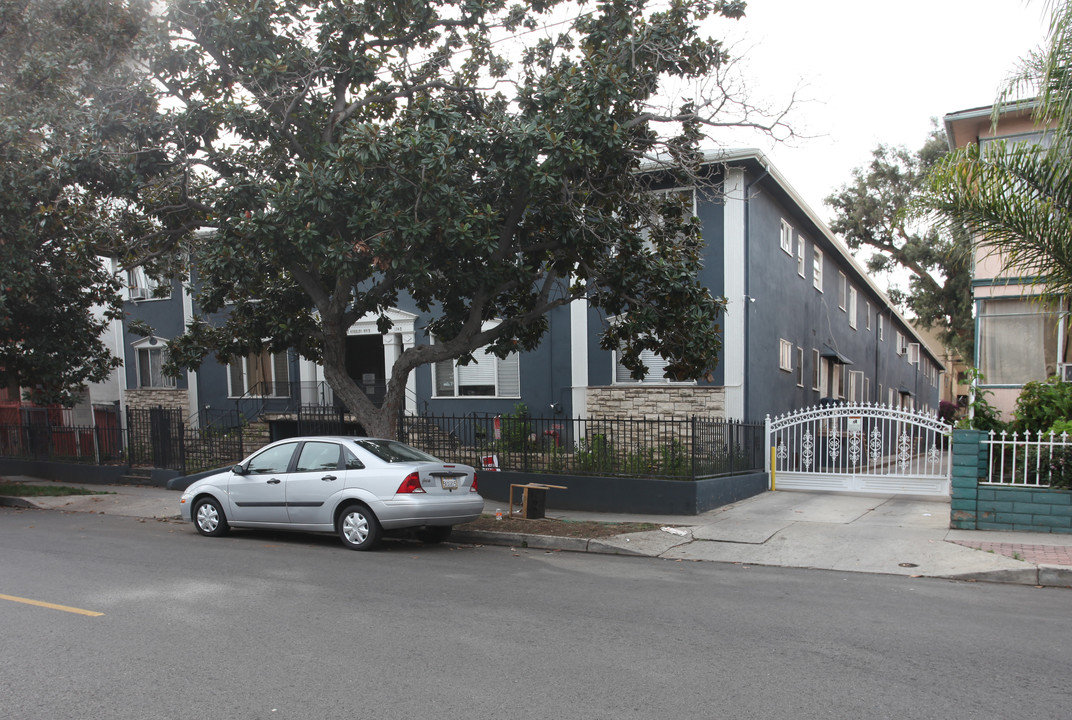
x=238, y=470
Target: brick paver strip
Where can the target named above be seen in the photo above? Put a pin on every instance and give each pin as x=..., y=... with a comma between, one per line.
x=1038, y=554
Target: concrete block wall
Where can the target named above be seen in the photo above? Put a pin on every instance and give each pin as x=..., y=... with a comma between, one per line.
x=995, y=507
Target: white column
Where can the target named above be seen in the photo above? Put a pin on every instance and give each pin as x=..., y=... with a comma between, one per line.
x=579, y=357
x=734, y=254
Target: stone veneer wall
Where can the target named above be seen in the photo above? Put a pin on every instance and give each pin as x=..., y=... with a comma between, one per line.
x=145, y=398
x=650, y=401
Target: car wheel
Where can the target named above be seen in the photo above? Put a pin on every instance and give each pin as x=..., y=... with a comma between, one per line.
x=209, y=518
x=433, y=533
x=358, y=528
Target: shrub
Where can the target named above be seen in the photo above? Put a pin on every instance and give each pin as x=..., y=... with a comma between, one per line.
x=1042, y=405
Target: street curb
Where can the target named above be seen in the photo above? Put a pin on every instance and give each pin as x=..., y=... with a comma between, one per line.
x=537, y=542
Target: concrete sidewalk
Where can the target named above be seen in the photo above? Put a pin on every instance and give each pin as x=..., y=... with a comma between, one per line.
x=896, y=535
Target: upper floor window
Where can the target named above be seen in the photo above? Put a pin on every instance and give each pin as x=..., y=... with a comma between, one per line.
x=842, y=293
x=801, y=262
x=817, y=269
x=785, y=355
x=852, y=307
x=484, y=376
x=141, y=286
x=263, y=374
x=787, y=237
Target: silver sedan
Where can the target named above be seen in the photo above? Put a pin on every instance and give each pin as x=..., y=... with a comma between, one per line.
x=356, y=487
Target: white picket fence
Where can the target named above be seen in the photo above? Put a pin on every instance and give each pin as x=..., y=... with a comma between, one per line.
x=1037, y=459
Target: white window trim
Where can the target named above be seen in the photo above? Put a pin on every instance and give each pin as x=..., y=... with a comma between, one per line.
x=151, y=345
x=141, y=287
x=785, y=355
x=800, y=367
x=276, y=357
x=480, y=354
x=817, y=269
x=853, y=305
x=802, y=269
x=843, y=291
x=881, y=329
x=868, y=308
x=786, y=237
x=816, y=376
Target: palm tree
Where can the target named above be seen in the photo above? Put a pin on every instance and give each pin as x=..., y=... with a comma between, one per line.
x=1017, y=197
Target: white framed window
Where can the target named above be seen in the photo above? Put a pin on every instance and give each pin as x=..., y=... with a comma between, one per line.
x=842, y=292
x=140, y=286
x=800, y=367
x=151, y=355
x=801, y=250
x=893, y=398
x=785, y=355
x=816, y=370
x=787, y=237
x=263, y=374
x=838, y=391
x=817, y=269
x=1018, y=341
x=852, y=307
x=867, y=390
x=856, y=386
x=485, y=376
x=913, y=353
x=899, y=337
x=867, y=310
x=881, y=329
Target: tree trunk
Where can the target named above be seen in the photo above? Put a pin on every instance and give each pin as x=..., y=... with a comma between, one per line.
x=376, y=422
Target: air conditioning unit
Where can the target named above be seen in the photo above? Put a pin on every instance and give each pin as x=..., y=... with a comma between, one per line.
x=1064, y=372
x=139, y=293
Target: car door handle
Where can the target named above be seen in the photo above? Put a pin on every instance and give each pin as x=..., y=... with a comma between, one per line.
x=328, y=478
x=274, y=481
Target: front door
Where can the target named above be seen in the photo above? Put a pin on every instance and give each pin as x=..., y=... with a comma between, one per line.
x=260, y=494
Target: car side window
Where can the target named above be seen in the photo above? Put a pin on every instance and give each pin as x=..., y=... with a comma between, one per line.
x=352, y=463
x=273, y=460
x=318, y=456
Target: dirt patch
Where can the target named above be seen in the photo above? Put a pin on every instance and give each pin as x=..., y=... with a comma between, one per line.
x=556, y=528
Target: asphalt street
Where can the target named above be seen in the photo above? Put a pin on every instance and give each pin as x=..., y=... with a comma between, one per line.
x=266, y=625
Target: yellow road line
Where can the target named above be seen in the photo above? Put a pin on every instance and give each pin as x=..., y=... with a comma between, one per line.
x=51, y=606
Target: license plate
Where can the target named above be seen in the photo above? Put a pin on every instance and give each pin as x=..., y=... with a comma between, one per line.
x=449, y=483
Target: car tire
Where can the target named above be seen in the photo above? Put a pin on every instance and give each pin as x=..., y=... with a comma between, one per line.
x=209, y=518
x=432, y=534
x=358, y=528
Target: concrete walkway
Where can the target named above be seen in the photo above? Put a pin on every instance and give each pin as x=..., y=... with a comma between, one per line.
x=895, y=535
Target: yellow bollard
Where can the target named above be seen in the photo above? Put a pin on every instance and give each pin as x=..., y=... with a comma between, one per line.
x=772, y=457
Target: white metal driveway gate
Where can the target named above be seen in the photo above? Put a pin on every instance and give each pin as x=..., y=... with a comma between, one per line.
x=860, y=448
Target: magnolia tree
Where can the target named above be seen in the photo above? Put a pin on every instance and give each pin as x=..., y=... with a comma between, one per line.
x=482, y=160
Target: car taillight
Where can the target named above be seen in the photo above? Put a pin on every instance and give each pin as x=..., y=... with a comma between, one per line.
x=412, y=484
x=472, y=488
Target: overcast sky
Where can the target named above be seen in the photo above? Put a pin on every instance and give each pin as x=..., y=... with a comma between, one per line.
x=875, y=72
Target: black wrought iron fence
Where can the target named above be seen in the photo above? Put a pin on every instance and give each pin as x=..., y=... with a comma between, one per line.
x=98, y=445
x=672, y=448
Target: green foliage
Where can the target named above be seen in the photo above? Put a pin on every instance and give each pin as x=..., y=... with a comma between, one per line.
x=516, y=430
x=64, y=74
x=981, y=415
x=1016, y=197
x=874, y=213
x=1042, y=406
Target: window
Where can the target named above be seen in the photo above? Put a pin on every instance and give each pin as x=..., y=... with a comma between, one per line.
x=838, y=391
x=785, y=355
x=817, y=269
x=842, y=293
x=801, y=244
x=273, y=461
x=816, y=365
x=787, y=238
x=485, y=376
x=913, y=353
x=881, y=329
x=151, y=357
x=856, y=386
x=1017, y=341
x=800, y=367
x=867, y=390
x=852, y=308
x=263, y=374
x=655, y=364
x=867, y=310
x=140, y=286
x=316, y=456
x=900, y=343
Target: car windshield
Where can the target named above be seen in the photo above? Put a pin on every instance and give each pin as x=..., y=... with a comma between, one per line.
x=391, y=451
